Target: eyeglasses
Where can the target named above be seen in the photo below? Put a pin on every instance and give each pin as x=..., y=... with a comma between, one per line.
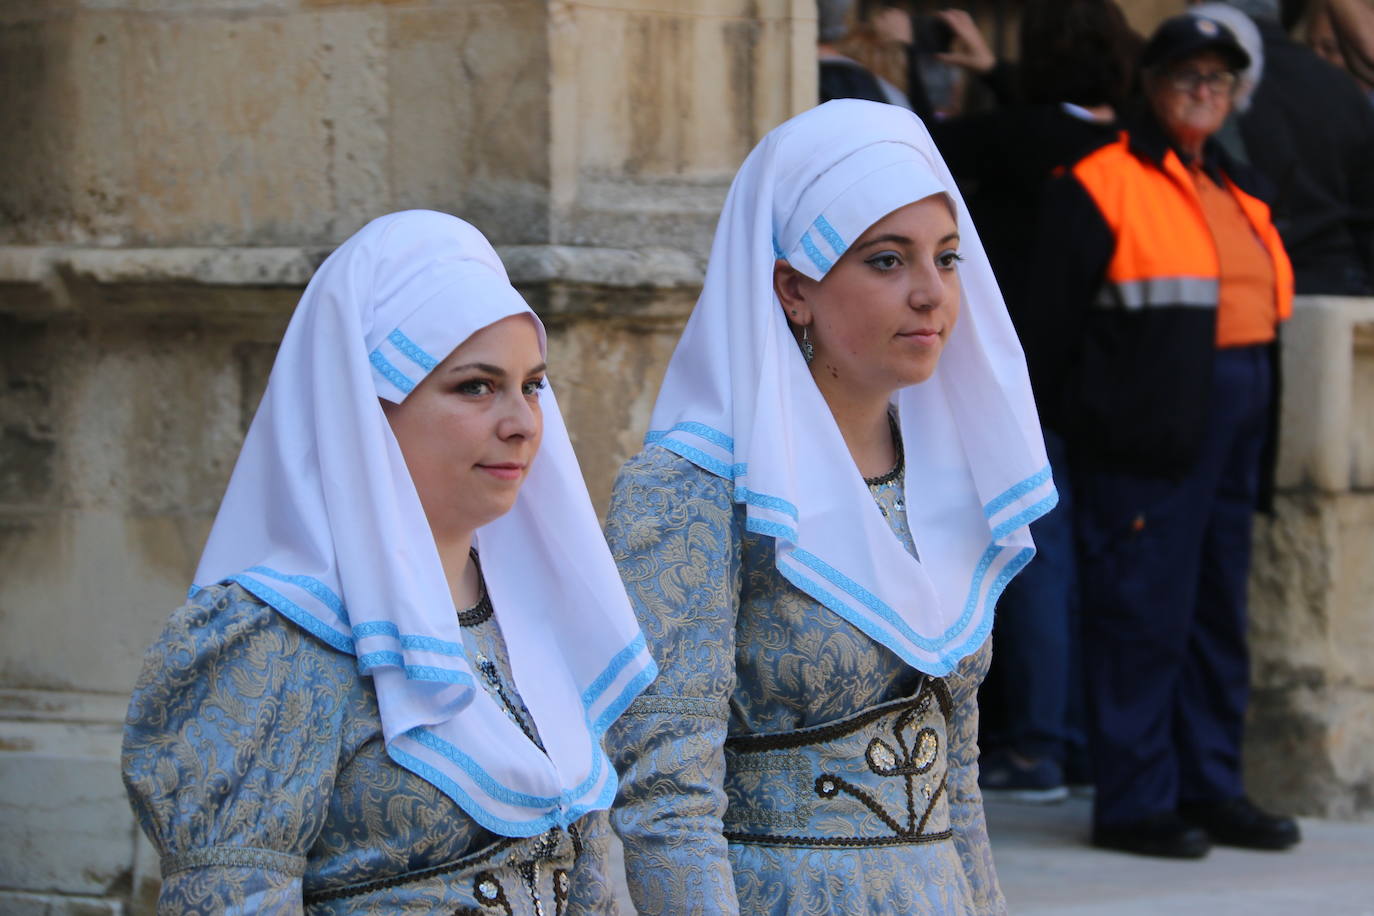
x=1218, y=81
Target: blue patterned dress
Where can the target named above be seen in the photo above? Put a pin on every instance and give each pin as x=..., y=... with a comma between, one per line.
x=254, y=759
x=783, y=762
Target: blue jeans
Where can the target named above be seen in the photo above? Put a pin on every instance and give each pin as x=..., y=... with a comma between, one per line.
x=1036, y=672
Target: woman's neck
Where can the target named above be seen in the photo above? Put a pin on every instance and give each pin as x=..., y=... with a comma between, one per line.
x=464, y=579
x=867, y=433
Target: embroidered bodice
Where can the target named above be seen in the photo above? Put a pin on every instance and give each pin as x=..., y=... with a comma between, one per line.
x=774, y=717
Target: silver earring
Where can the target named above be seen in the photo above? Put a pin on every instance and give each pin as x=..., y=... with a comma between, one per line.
x=808, y=351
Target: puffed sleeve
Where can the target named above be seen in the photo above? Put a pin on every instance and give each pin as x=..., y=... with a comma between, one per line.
x=965, y=799
x=674, y=533
x=231, y=748
x=593, y=886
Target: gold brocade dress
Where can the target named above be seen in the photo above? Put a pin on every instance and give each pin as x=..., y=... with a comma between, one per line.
x=254, y=759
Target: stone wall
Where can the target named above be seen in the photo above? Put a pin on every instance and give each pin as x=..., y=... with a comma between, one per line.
x=1312, y=590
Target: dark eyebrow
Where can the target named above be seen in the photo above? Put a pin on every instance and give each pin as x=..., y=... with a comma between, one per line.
x=903, y=240
x=891, y=237
x=489, y=369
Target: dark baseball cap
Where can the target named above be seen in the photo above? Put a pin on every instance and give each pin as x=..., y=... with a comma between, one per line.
x=1181, y=37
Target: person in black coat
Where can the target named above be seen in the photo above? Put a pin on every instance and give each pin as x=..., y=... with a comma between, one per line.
x=1310, y=132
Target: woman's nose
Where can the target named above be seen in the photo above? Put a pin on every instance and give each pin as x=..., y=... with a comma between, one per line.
x=520, y=417
x=927, y=287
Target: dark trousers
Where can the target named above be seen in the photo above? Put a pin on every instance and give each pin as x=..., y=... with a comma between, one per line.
x=1165, y=566
x=1035, y=675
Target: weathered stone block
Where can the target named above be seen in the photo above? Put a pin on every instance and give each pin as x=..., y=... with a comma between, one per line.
x=262, y=129
x=656, y=105
x=607, y=373
x=204, y=124
x=68, y=826
x=1362, y=412
x=1327, y=423
x=96, y=583
x=18, y=903
x=37, y=108
x=1311, y=639
x=28, y=441
x=468, y=89
x=1307, y=751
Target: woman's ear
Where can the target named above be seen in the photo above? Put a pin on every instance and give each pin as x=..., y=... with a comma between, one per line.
x=790, y=285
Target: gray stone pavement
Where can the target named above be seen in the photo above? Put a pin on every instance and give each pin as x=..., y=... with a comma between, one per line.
x=1046, y=867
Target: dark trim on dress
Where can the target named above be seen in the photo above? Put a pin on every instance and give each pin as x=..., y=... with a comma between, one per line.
x=355, y=890
x=748, y=744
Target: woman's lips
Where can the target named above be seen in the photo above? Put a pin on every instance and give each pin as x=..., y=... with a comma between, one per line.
x=506, y=471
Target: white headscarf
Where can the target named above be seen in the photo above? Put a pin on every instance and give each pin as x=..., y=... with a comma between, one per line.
x=739, y=401
x=322, y=521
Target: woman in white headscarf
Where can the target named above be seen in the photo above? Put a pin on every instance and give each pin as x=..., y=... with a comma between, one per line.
x=835, y=489
x=388, y=688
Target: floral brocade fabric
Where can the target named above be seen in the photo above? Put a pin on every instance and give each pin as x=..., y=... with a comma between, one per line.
x=783, y=762
x=254, y=759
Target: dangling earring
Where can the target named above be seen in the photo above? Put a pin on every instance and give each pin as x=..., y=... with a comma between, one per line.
x=808, y=351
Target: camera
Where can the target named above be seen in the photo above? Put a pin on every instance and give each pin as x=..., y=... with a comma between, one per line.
x=930, y=35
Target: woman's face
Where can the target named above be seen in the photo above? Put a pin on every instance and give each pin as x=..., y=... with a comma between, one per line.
x=879, y=319
x=1192, y=97
x=469, y=432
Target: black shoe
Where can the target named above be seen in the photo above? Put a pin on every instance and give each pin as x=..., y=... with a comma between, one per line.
x=1239, y=822
x=1165, y=835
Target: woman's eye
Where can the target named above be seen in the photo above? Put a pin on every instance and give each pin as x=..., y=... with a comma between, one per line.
x=476, y=386
x=885, y=261
x=948, y=260
x=535, y=386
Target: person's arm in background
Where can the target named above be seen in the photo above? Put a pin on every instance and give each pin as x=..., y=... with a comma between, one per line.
x=969, y=50
x=1353, y=23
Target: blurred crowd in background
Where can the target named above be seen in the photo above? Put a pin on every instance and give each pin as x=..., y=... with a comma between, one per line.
x=1131, y=192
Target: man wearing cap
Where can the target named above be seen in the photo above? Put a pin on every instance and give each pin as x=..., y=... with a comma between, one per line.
x=1161, y=281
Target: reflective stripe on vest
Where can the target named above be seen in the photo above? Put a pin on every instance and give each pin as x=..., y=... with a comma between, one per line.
x=1138, y=294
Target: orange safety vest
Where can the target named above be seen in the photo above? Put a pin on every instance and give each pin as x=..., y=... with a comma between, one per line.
x=1165, y=254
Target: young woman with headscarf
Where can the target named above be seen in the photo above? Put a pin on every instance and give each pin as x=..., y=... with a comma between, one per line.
x=836, y=486
x=388, y=688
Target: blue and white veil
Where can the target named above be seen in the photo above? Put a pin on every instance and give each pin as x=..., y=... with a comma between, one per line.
x=739, y=401
x=322, y=521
